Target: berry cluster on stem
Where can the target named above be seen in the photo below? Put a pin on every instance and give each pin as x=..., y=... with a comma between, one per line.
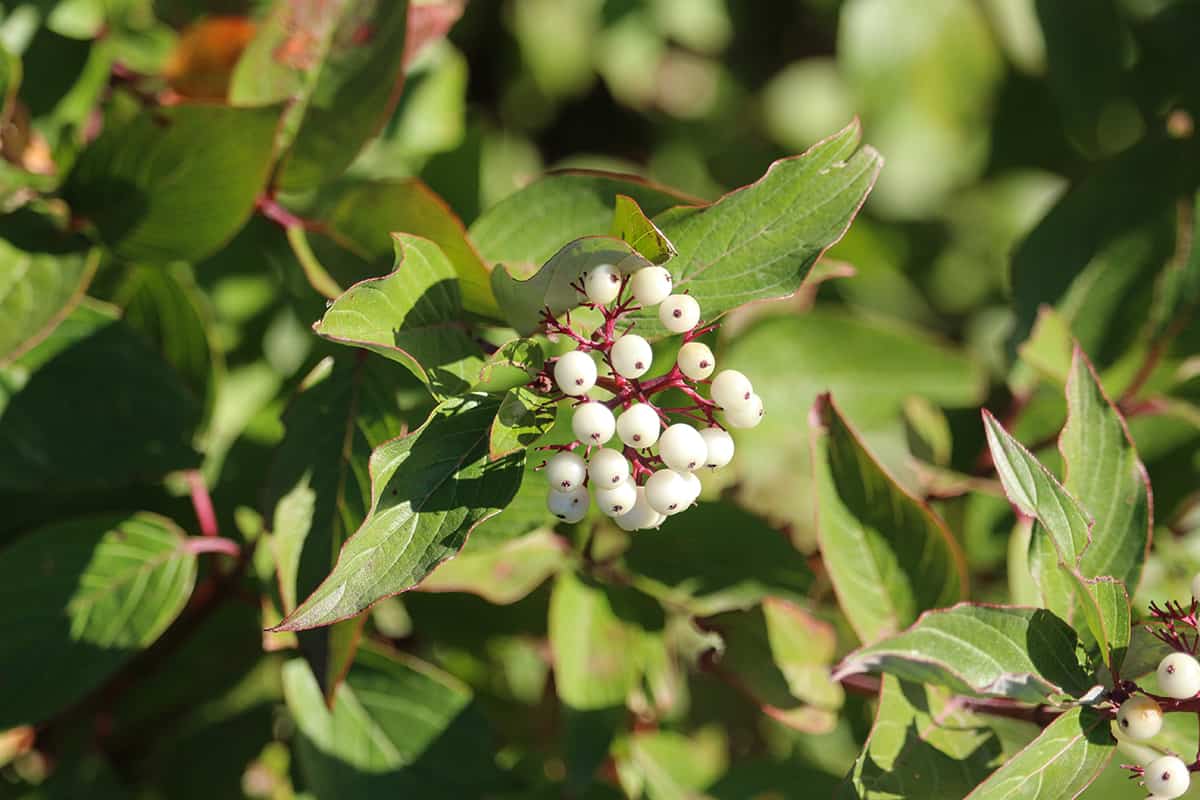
x=650, y=475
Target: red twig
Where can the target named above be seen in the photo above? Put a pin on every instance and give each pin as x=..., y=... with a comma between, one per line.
x=202, y=503
x=212, y=544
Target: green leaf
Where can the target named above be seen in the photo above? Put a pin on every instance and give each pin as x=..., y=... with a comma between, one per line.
x=515, y=364
x=888, y=555
x=397, y=727
x=43, y=274
x=528, y=227
x=428, y=490
x=922, y=744
x=1105, y=605
x=671, y=766
x=361, y=214
x=1061, y=762
x=93, y=406
x=1005, y=651
x=524, y=417
x=630, y=224
x=412, y=316
x=1037, y=493
x=10, y=82
x=780, y=656
x=600, y=638
x=760, y=241
x=501, y=575
x=83, y=597
x=1104, y=474
x=173, y=183
x=692, y=562
x=522, y=297
x=319, y=489
x=341, y=69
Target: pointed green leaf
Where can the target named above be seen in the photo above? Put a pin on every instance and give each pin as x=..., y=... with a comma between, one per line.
x=760, y=241
x=43, y=274
x=82, y=597
x=630, y=224
x=600, y=638
x=1037, y=493
x=501, y=575
x=523, y=296
x=428, y=490
x=780, y=655
x=515, y=364
x=175, y=182
x=93, y=406
x=1104, y=474
x=398, y=727
x=1006, y=651
x=888, y=555
x=1061, y=762
x=524, y=417
x=923, y=744
x=529, y=226
x=412, y=316
x=1105, y=605
x=319, y=489
x=340, y=68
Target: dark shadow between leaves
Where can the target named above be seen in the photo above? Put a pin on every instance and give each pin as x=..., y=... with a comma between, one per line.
x=922, y=770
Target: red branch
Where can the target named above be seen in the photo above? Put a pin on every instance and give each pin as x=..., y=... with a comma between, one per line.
x=202, y=503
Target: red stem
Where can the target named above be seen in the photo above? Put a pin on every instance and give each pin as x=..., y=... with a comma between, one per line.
x=202, y=503
x=212, y=544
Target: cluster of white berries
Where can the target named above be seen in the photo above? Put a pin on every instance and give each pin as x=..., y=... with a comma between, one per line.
x=616, y=484
x=1140, y=717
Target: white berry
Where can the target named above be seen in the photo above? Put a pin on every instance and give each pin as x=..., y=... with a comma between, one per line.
x=575, y=373
x=607, y=468
x=720, y=447
x=1179, y=676
x=565, y=471
x=593, y=423
x=617, y=500
x=569, y=506
x=1196, y=586
x=602, y=284
x=730, y=389
x=638, y=426
x=696, y=360
x=679, y=313
x=682, y=447
x=651, y=285
x=1167, y=777
x=632, y=355
x=747, y=415
x=1140, y=717
x=692, y=483
x=641, y=516
x=666, y=491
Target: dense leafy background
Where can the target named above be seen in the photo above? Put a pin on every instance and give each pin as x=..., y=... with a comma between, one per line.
x=201, y=295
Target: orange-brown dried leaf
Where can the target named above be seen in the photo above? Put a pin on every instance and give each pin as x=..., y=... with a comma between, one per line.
x=201, y=65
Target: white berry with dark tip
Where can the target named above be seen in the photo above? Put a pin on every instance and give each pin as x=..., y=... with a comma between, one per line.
x=696, y=361
x=639, y=426
x=720, y=447
x=730, y=389
x=746, y=415
x=631, y=355
x=1140, y=717
x=593, y=423
x=641, y=516
x=692, y=483
x=679, y=313
x=1179, y=676
x=651, y=285
x=681, y=447
x=667, y=492
x=569, y=506
x=575, y=373
x=1167, y=777
x=565, y=471
x=616, y=500
x=607, y=468
x=602, y=284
